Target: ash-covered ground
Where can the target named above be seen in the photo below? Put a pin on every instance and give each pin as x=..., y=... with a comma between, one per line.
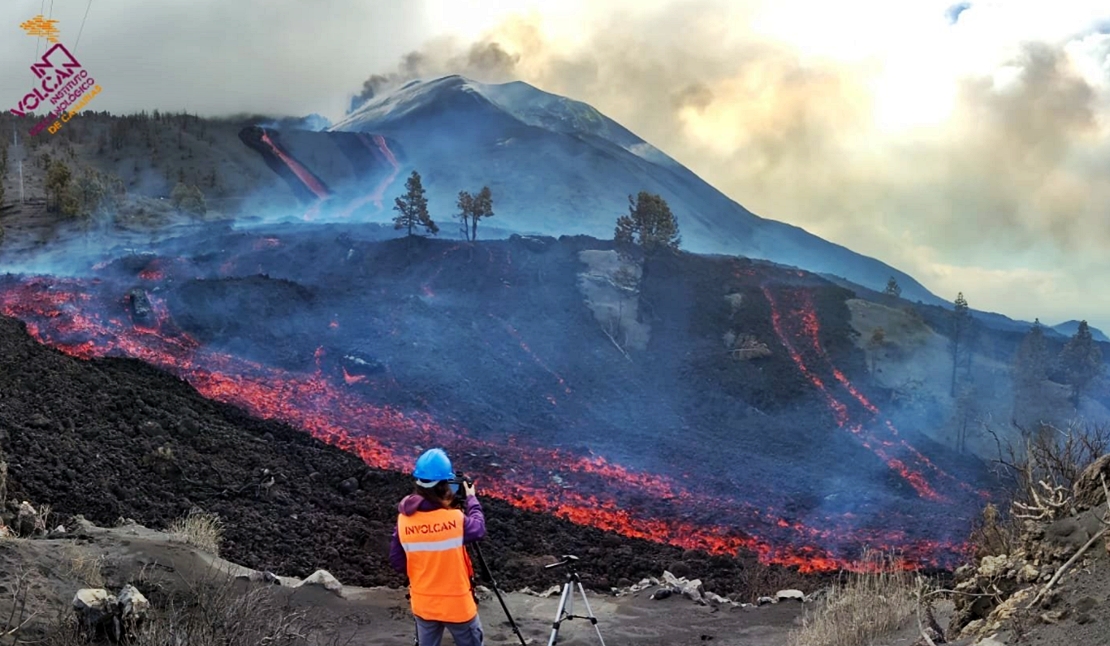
x=385, y=348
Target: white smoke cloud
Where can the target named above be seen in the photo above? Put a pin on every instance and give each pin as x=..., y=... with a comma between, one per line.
x=968, y=153
x=972, y=154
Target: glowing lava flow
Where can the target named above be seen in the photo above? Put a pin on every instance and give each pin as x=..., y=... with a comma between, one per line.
x=375, y=142
x=85, y=320
x=878, y=446
x=300, y=171
x=811, y=329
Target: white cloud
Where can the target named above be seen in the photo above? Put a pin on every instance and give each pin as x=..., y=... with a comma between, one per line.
x=973, y=155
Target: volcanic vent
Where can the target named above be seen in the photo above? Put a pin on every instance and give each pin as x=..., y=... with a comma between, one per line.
x=386, y=348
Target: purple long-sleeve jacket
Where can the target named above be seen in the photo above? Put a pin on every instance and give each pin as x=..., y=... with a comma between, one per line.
x=474, y=525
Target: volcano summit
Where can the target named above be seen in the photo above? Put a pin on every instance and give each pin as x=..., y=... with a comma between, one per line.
x=559, y=167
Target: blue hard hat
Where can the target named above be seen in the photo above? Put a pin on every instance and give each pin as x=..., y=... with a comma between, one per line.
x=432, y=467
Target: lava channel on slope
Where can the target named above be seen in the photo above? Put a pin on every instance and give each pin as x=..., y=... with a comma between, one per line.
x=92, y=318
x=795, y=321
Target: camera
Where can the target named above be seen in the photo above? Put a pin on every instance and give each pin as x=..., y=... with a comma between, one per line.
x=460, y=479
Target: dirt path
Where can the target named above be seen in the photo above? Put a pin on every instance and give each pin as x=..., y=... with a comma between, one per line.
x=157, y=565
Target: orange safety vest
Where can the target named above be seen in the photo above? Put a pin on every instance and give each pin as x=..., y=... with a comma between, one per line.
x=439, y=567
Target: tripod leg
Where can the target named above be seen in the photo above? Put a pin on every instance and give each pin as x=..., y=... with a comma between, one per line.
x=564, y=598
x=590, y=613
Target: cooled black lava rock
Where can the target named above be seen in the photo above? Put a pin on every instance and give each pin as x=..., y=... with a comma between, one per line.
x=304, y=524
x=348, y=486
x=139, y=304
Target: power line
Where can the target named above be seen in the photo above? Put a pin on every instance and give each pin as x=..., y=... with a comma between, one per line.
x=41, y=8
x=87, y=7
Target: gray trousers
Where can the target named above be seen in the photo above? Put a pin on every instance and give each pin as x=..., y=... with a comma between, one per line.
x=430, y=633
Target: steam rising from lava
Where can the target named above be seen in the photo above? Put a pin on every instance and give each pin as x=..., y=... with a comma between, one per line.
x=94, y=317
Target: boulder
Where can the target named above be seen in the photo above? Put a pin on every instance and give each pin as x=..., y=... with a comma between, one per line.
x=1087, y=492
x=139, y=303
x=93, y=606
x=348, y=486
x=785, y=595
x=131, y=603
x=680, y=569
x=692, y=590
x=99, y=611
x=27, y=520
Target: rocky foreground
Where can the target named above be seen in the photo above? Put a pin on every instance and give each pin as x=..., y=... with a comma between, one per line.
x=133, y=581
x=1048, y=581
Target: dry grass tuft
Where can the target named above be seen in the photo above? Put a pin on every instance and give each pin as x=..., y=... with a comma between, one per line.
x=199, y=528
x=85, y=567
x=870, y=605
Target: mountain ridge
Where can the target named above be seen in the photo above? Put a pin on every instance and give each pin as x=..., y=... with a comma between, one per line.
x=452, y=117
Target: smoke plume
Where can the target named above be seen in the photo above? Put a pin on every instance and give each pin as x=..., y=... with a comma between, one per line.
x=1006, y=190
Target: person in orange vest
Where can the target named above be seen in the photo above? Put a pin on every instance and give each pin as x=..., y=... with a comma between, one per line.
x=428, y=545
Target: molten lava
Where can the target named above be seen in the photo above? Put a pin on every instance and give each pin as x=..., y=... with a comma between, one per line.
x=88, y=318
x=375, y=142
x=805, y=324
x=310, y=181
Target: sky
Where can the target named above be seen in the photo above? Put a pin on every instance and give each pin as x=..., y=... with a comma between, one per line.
x=967, y=144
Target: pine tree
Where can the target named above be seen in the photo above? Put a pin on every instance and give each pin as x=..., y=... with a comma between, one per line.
x=1081, y=361
x=1030, y=370
x=483, y=208
x=961, y=319
x=466, y=207
x=473, y=208
x=412, y=207
x=58, y=176
x=189, y=199
x=649, y=223
x=892, y=288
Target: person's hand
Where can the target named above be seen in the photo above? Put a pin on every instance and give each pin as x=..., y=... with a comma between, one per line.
x=468, y=489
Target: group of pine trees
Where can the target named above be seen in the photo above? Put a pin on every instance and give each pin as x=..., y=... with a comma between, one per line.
x=412, y=209
x=650, y=224
x=86, y=194
x=1077, y=365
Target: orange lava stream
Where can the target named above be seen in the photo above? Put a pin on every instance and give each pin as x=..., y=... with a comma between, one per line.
x=300, y=171
x=811, y=327
x=376, y=195
x=61, y=313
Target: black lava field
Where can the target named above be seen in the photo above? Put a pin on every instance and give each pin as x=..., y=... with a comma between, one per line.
x=383, y=348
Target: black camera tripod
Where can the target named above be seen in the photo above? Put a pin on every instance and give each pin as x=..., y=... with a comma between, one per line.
x=487, y=575
x=566, y=600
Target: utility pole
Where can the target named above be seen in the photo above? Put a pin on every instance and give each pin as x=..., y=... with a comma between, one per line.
x=18, y=152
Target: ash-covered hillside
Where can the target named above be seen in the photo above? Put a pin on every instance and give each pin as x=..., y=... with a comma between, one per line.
x=707, y=402
x=561, y=167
